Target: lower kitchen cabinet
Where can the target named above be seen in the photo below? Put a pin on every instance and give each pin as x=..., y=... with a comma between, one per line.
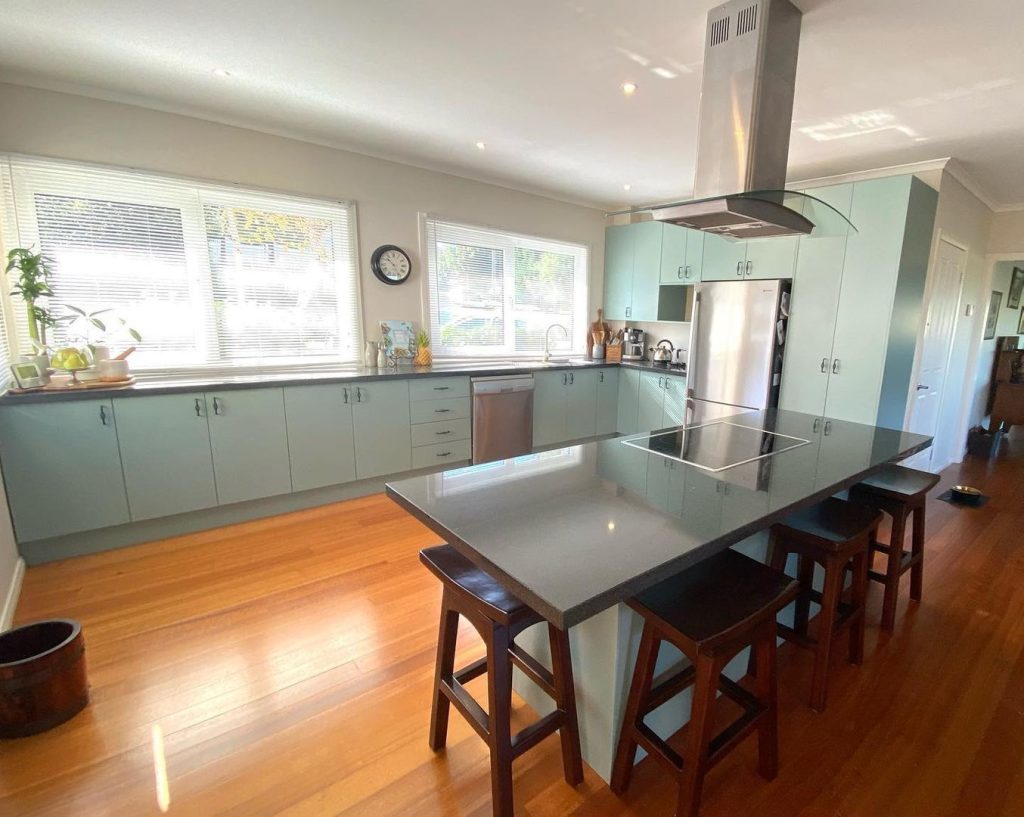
x=250, y=444
x=564, y=406
x=427, y=456
x=628, y=400
x=606, y=416
x=673, y=411
x=581, y=405
x=62, y=468
x=380, y=421
x=165, y=453
x=661, y=401
x=321, y=447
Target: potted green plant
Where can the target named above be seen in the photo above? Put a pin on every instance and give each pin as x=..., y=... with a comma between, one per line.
x=33, y=283
x=96, y=331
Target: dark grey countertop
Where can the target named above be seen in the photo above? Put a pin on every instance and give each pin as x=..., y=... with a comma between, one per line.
x=648, y=366
x=573, y=531
x=346, y=374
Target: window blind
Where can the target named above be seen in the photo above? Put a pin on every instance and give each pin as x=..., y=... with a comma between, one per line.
x=496, y=293
x=210, y=276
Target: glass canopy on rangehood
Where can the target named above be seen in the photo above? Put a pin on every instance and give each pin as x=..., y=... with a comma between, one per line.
x=755, y=214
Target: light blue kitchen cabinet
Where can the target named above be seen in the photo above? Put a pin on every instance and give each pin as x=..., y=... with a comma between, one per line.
x=321, y=446
x=724, y=259
x=607, y=390
x=702, y=504
x=581, y=404
x=250, y=444
x=661, y=402
x=646, y=270
x=666, y=484
x=673, y=255
x=62, y=468
x=618, y=271
x=628, y=401
x=623, y=464
x=549, y=407
x=770, y=258
x=166, y=454
x=381, y=423
x=674, y=405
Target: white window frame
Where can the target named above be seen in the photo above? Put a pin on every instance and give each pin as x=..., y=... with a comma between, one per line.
x=23, y=231
x=506, y=241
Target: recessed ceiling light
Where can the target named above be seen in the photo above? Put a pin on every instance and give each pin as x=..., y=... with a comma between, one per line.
x=481, y=146
x=627, y=187
x=223, y=73
x=629, y=88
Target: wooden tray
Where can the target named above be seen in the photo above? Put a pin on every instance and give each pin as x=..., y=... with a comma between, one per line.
x=89, y=384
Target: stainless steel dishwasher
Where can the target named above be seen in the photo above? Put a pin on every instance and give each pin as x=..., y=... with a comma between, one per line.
x=502, y=417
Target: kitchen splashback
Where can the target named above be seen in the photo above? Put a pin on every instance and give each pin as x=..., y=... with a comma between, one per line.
x=678, y=333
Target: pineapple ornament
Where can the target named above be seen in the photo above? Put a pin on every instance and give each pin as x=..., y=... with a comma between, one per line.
x=423, y=354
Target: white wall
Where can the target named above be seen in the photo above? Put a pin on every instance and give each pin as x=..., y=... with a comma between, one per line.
x=1007, y=234
x=388, y=195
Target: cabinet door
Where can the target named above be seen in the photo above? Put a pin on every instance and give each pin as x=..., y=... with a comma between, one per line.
x=674, y=406
x=673, y=255
x=607, y=401
x=866, y=297
x=581, y=405
x=549, y=407
x=380, y=423
x=646, y=270
x=723, y=259
x=62, y=468
x=651, y=404
x=629, y=398
x=250, y=444
x=321, y=447
x=693, y=270
x=770, y=258
x=702, y=504
x=618, y=271
x=165, y=451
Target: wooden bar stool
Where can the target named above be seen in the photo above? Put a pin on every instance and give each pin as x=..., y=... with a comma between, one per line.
x=499, y=617
x=709, y=612
x=835, y=534
x=901, y=492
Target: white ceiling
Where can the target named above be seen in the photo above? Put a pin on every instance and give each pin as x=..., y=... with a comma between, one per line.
x=880, y=82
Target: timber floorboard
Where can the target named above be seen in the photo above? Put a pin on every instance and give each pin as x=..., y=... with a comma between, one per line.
x=288, y=664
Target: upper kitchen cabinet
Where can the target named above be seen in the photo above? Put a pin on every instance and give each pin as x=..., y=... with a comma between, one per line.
x=618, y=271
x=853, y=332
x=758, y=259
x=723, y=258
x=639, y=257
x=62, y=468
x=682, y=252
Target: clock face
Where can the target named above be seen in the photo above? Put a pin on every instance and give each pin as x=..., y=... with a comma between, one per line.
x=391, y=265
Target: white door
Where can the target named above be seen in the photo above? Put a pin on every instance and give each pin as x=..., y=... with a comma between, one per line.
x=933, y=360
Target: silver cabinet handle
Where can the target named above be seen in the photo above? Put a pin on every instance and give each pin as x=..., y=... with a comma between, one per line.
x=835, y=366
x=921, y=388
x=344, y=393
x=601, y=375
x=629, y=311
x=103, y=415
x=216, y=406
x=444, y=454
x=750, y=267
x=824, y=365
x=441, y=411
x=442, y=433
x=682, y=272
x=441, y=388
x=199, y=410
x=828, y=427
x=739, y=269
x=359, y=395
x=687, y=271
x=565, y=379
x=668, y=384
x=572, y=378
x=661, y=382
x=817, y=425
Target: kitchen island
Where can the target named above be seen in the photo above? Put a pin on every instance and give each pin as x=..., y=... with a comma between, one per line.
x=575, y=531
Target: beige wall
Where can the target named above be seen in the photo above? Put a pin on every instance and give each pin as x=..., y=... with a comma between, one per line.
x=1007, y=235
x=388, y=195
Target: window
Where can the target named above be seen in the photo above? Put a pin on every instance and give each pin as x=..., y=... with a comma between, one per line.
x=493, y=293
x=210, y=276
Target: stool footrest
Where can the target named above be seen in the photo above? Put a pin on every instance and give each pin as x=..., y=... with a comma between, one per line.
x=467, y=706
x=533, y=734
x=667, y=688
x=471, y=671
x=533, y=669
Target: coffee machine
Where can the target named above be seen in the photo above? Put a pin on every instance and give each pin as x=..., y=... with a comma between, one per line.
x=633, y=344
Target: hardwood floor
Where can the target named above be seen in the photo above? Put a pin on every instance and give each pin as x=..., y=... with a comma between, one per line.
x=288, y=665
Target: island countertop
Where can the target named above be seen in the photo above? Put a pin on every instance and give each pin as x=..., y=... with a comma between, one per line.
x=576, y=530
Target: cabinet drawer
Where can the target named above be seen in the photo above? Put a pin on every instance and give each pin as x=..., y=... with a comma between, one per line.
x=427, y=455
x=429, y=411
x=447, y=431
x=436, y=388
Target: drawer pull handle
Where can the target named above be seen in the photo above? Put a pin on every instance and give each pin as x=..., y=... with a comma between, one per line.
x=442, y=433
x=441, y=388
x=441, y=411
x=444, y=454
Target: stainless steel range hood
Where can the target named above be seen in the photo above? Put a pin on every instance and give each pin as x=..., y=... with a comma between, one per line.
x=746, y=114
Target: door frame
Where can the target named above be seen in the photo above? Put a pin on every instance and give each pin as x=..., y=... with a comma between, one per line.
x=941, y=236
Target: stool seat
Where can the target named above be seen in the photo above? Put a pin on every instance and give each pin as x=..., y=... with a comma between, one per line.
x=710, y=600
x=453, y=568
x=833, y=522
x=899, y=482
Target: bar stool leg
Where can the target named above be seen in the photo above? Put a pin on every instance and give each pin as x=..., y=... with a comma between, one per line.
x=859, y=598
x=446, y=640
x=768, y=694
x=917, y=549
x=805, y=575
x=893, y=570
x=691, y=782
x=565, y=699
x=643, y=677
x=834, y=573
x=499, y=719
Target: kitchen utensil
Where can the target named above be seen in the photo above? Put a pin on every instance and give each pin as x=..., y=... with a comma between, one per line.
x=633, y=340
x=662, y=354
x=113, y=370
x=966, y=493
x=598, y=351
x=125, y=353
x=678, y=357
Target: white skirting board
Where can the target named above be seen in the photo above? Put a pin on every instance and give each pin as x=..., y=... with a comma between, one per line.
x=11, y=596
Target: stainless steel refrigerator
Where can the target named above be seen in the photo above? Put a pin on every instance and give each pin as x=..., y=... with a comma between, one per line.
x=737, y=337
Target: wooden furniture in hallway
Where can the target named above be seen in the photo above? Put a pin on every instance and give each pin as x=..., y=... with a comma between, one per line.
x=835, y=534
x=900, y=492
x=498, y=617
x=710, y=612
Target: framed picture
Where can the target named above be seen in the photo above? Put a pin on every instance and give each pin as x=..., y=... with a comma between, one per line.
x=1020, y=323
x=992, y=318
x=1016, y=288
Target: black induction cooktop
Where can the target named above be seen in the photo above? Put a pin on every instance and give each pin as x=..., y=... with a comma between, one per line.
x=716, y=446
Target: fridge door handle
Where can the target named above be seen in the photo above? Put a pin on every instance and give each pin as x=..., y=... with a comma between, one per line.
x=692, y=371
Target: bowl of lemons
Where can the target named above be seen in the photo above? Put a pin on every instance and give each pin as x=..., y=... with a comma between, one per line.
x=70, y=360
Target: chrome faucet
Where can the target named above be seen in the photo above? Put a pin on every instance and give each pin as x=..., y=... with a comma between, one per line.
x=547, y=339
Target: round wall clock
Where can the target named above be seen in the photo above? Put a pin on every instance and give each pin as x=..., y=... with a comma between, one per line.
x=391, y=264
